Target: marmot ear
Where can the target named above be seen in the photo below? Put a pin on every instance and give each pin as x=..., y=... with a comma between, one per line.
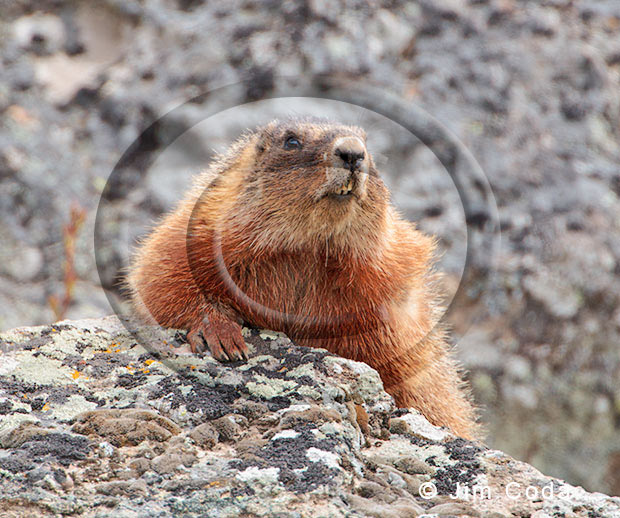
x=260, y=144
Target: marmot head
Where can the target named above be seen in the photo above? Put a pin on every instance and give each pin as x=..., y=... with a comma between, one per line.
x=309, y=182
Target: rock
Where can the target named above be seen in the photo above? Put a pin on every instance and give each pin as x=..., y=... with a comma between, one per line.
x=41, y=33
x=556, y=295
x=205, y=435
x=125, y=426
x=416, y=424
x=269, y=452
x=170, y=462
x=21, y=262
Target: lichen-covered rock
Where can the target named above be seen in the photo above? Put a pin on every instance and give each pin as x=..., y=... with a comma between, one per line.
x=96, y=424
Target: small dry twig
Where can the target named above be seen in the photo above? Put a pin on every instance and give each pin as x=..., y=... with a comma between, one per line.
x=60, y=305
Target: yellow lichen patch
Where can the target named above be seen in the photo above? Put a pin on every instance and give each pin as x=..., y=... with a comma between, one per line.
x=76, y=374
x=113, y=348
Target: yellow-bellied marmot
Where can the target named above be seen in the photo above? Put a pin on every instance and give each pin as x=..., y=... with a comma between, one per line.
x=292, y=230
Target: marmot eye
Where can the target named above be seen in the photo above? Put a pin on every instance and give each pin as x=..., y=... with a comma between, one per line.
x=292, y=143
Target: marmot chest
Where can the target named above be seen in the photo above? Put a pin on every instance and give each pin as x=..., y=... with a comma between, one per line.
x=307, y=285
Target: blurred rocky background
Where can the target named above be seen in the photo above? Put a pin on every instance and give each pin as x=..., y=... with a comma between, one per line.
x=531, y=88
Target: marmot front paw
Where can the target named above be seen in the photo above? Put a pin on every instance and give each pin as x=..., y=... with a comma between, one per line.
x=221, y=335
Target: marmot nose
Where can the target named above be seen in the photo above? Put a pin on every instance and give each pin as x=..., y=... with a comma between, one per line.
x=349, y=153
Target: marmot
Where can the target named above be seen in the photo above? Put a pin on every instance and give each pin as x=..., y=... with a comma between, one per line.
x=292, y=230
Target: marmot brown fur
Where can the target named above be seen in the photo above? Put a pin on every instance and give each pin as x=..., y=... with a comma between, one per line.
x=292, y=230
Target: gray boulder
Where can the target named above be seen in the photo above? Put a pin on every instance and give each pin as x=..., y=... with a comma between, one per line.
x=97, y=421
